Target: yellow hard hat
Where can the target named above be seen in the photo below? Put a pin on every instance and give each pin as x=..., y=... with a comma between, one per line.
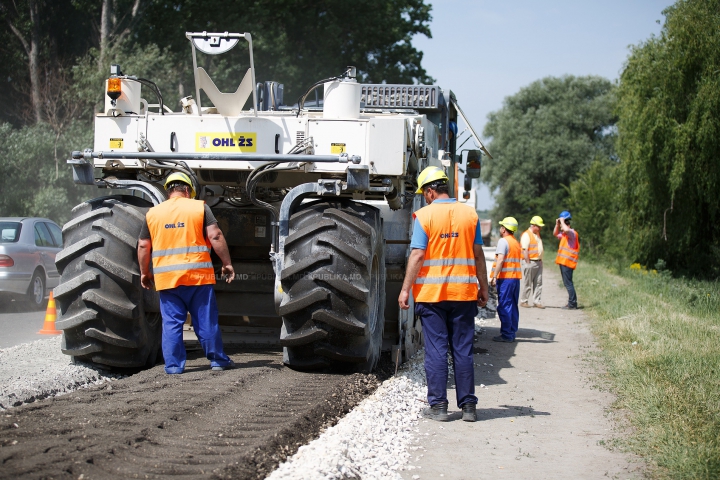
x=429, y=175
x=180, y=177
x=537, y=220
x=510, y=223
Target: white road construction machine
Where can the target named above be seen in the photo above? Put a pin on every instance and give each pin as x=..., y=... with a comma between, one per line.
x=315, y=201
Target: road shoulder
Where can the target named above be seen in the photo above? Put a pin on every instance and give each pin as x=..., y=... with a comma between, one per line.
x=540, y=414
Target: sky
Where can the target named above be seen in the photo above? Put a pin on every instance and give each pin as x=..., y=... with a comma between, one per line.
x=485, y=51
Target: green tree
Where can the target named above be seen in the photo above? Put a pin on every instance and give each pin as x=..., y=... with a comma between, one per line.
x=593, y=200
x=543, y=138
x=669, y=99
x=297, y=42
x=41, y=39
x=30, y=182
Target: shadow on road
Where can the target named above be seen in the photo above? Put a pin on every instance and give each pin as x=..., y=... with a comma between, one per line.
x=491, y=357
x=507, y=411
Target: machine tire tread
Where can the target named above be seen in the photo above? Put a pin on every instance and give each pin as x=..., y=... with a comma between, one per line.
x=302, y=337
x=347, y=323
x=343, y=295
x=104, y=313
x=300, y=234
x=77, y=248
x=305, y=264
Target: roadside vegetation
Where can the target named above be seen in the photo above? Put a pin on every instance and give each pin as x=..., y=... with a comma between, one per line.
x=636, y=161
x=660, y=341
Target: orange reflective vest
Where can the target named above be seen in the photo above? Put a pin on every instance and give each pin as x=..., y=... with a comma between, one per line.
x=533, y=250
x=448, y=272
x=511, y=262
x=566, y=255
x=181, y=254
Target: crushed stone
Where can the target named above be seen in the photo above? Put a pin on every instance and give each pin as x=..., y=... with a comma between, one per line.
x=370, y=442
x=37, y=370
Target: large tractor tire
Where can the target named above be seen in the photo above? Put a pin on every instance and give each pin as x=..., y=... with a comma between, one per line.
x=333, y=280
x=106, y=316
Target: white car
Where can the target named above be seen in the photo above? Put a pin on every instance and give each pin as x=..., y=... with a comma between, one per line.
x=28, y=246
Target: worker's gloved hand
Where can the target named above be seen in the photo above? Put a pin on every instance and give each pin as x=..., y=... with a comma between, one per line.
x=228, y=272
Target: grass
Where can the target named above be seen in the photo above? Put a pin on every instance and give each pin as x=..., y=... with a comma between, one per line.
x=660, y=340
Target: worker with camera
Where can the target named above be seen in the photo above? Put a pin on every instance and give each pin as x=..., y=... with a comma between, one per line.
x=567, y=256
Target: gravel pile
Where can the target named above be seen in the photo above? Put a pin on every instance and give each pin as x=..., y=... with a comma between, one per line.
x=371, y=441
x=37, y=370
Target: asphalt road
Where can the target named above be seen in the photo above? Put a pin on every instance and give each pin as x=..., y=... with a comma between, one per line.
x=19, y=325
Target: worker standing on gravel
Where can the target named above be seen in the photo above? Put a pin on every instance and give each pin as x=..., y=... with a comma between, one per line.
x=180, y=233
x=532, y=268
x=447, y=275
x=506, y=275
x=567, y=256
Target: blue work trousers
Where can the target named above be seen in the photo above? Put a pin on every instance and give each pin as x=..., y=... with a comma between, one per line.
x=449, y=324
x=199, y=301
x=567, y=274
x=507, y=309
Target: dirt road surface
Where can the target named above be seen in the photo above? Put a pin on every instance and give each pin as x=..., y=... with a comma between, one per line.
x=234, y=424
x=539, y=413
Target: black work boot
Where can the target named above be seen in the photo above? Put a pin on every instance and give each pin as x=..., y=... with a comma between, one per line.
x=437, y=412
x=469, y=414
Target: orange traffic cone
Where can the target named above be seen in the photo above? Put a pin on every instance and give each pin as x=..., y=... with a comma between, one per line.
x=50, y=316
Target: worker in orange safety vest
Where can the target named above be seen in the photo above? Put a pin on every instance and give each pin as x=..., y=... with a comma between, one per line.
x=567, y=256
x=178, y=234
x=532, y=267
x=506, y=275
x=447, y=276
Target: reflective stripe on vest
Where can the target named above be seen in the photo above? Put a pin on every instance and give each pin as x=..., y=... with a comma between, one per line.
x=533, y=248
x=181, y=253
x=567, y=255
x=448, y=271
x=177, y=251
x=448, y=261
x=511, y=263
x=451, y=279
x=181, y=267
